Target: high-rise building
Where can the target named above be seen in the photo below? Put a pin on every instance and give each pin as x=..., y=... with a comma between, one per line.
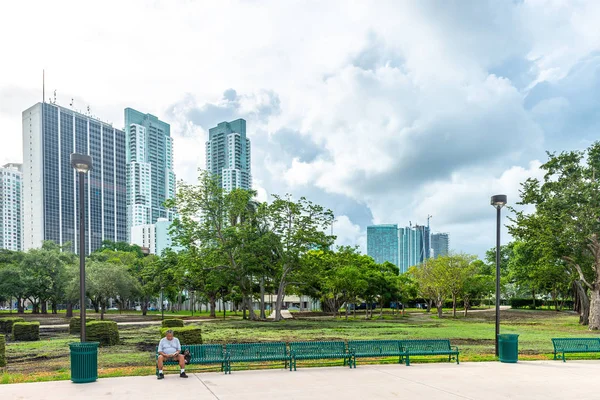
x=154, y=237
x=228, y=155
x=11, y=207
x=440, y=244
x=414, y=246
x=382, y=243
x=50, y=196
x=150, y=176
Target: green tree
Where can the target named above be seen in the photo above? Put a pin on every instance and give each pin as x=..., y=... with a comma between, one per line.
x=565, y=224
x=106, y=280
x=300, y=226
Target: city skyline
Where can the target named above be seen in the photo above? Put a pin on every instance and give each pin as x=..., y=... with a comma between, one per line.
x=386, y=112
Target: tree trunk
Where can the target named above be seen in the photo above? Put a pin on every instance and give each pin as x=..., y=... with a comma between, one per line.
x=54, y=307
x=20, y=306
x=145, y=306
x=69, y=309
x=582, y=303
x=102, y=311
x=533, y=295
x=280, y=294
x=439, y=305
x=263, y=314
x=466, y=305
x=213, y=306
x=453, y=306
x=429, y=304
x=594, y=322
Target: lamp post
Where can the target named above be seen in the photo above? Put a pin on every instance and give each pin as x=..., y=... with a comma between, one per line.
x=498, y=201
x=82, y=164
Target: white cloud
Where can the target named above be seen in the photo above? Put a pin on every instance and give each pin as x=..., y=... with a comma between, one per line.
x=384, y=111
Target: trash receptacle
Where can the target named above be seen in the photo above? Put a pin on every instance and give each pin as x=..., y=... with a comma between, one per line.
x=508, y=348
x=84, y=362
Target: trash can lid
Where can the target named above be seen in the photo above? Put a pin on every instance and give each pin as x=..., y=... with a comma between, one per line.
x=84, y=345
x=508, y=336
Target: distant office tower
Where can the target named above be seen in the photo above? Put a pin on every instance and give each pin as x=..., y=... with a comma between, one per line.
x=440, y=243
x=228, y=155
x=11, y=207
x=382, y=243
x=414, y=246
x=50, y=196
x=150, y=176
x=154, y=237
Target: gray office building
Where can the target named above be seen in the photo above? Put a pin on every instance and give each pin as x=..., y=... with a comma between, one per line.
x=440, y=244
x=50, y=196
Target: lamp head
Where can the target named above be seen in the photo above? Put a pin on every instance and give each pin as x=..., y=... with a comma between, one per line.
x=81, y=162
x=498, y=201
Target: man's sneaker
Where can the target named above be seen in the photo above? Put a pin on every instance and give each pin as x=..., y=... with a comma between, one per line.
x=183, y=375
x=161, y=376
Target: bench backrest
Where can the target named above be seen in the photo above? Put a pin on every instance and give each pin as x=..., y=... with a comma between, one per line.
x=582, y=344
x=254, y=350
x=204, y=352
x=374, y=346
x=426, y=345
x=336, y=347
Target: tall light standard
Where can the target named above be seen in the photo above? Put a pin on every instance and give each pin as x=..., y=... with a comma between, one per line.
x=82, y=164
x=498, y=201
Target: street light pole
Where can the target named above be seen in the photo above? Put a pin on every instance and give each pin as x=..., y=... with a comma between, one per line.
x=498, y=201
x=82, y=164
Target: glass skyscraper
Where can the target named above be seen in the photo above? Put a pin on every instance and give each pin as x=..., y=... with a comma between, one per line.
x=382, y=243
x=440, y=244
x=150, y=176
x=228, y=155
x=50, y=196
x=11, y=207
x=414, y=246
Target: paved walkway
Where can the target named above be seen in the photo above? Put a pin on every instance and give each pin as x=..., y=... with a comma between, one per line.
x=490, y=380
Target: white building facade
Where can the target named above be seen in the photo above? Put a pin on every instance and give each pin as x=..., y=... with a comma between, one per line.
x=11, y=207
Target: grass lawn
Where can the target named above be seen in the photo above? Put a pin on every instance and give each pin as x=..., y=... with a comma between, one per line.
x=48, y=359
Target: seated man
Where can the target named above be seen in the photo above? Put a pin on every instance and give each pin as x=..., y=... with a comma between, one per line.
x=169, y=349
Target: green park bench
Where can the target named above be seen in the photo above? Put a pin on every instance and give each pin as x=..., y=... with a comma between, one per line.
x=202, y=354
x=377, y=348
x=575, y=345
x=429, y=347
x=319, y=351
x=256, y=352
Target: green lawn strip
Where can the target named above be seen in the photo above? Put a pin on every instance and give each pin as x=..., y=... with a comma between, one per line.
x=48, y=359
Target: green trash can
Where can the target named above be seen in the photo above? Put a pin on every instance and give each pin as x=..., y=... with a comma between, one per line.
x=508, y=348
x=84, y=362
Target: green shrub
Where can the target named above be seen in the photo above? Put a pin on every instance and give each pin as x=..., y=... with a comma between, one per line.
x=172, y=323
x=26, y=331
x=186, y=335
x=524, y=303
x=2, y=351
x=105, y=332
x=75, y=325
x=7, y=323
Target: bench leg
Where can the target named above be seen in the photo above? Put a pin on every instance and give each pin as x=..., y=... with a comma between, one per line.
x=407, y=360
x=457, y=362
x=564, y=357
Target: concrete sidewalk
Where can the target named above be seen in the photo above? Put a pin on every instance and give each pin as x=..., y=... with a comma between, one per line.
x=489, y=380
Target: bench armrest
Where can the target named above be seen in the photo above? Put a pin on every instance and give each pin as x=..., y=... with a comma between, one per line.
x=454, y=348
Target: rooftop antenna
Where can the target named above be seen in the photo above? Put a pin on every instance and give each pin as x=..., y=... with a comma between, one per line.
x=43, y=86
x=88, y=110
x=54, y=102
x=71, y=104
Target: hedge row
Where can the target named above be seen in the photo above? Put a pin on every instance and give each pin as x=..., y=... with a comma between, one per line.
x=75, y=325
x=186, y=335
x=2, y=351
x=6, y=324
x=528, y=303
x=26, y=331
x=172, y=323
x=105, y=332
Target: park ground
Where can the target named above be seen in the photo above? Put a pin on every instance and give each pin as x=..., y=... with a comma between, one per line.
x=48, y=359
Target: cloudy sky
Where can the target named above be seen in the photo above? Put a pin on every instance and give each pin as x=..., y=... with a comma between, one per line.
x=386, y=112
